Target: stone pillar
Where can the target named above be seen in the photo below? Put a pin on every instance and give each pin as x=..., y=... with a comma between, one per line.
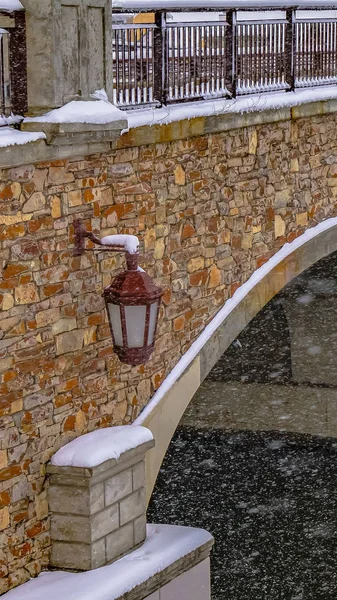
x=68, y=51
x=98, y=514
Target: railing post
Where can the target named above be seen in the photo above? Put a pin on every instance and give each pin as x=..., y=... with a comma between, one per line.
x=18, y=64
x=159, y=70
x=290, y=49
x=231, y=74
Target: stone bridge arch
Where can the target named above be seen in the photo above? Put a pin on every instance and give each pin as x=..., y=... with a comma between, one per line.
x=165, y=410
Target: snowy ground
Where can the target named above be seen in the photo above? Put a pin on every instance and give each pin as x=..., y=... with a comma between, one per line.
x=269, y=499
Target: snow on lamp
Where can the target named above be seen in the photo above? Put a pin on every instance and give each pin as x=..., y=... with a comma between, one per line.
x=132, y=299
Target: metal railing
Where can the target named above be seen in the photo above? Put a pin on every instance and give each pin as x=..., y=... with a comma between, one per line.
x=231, y=54
x=13, y=64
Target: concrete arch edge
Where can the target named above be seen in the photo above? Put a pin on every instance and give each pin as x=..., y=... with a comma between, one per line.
x=165, y=409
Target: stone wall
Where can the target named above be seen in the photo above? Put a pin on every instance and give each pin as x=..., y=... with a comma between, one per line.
x=209, y=210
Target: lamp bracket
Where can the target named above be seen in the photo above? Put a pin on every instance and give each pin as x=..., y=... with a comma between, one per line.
x=81, y=234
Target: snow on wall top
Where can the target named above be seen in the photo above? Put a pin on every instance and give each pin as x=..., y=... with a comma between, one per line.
x=12, y=137
x=10, y=5
x=94, y=448
x=220, y=4
x=164, y=545
x=96, y=112
x=218, y=106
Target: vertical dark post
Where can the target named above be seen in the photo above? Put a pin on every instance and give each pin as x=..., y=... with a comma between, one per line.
x=158, y=52
x=18, y=64
x=290, y=50
x=230, y=32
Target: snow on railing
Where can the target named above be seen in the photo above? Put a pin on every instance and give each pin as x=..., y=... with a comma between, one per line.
x=172, y=52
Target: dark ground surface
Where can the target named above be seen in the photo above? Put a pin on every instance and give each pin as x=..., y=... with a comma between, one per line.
x=269, y=499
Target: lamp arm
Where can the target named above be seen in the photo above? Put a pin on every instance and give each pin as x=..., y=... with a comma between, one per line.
x=81, y=234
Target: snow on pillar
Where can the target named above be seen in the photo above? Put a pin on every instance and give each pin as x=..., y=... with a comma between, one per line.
x=97, y=497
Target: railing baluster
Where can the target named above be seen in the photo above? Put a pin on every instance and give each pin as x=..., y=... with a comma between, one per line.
x=290, y=49
x=231, y=53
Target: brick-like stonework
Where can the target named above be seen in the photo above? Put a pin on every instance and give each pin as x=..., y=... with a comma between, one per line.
x=208, y=210
x=97, y=514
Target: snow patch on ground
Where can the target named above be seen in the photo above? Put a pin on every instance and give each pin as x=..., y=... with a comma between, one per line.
x=226, y=310
x=165, y=544
x=244, y=104
x=13, y=137
x=96, y=112
x=94, y=448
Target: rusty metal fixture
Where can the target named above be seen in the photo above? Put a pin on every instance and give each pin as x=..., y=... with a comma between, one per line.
x=132, y=302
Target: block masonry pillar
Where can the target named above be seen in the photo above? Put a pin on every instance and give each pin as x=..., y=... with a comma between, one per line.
x=98, y=514
x=68, y=51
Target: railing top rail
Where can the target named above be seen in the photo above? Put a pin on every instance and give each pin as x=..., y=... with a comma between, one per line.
x=217, y=5
x=134, y=26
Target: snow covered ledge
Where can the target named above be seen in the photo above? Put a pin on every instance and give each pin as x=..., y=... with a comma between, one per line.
x=172, y=564
x=97, y=497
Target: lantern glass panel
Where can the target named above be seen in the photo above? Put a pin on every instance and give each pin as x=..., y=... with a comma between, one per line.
x=153, y=321
x=116, y=323
x=135, y=317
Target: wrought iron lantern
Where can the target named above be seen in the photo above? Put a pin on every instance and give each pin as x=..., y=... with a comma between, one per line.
x=132, y=300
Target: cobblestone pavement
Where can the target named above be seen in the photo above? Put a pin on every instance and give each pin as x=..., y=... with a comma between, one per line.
x=269, y=499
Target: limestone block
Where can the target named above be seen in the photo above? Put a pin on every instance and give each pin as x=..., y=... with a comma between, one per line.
x=104, y=522
x=139, y=528
x=119, y=542
x=133, y=506
x=118, y=487
x=138, y=475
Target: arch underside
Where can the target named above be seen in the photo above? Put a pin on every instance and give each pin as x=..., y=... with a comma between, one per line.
x=165, y=415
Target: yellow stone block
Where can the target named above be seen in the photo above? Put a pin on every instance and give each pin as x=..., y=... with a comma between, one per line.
x=247, y=240
x=159, y=249
x=179, y=175
x=13, y=219
x=3, y=459
x=279, y=226
x=75, y=198
x=252, y=142
x=16, y=406
x=149, y=239
x=8, y=302
x=302, y=219
x=195, y=264
x=4, y=518
x=294, y=165
x=55, y=207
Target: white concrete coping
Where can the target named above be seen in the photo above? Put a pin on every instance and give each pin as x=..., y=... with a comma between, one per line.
x=97, y=447
x=167, y=552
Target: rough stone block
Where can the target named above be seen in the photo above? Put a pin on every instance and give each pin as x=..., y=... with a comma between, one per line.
x=119, y=542
x=132, y=507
